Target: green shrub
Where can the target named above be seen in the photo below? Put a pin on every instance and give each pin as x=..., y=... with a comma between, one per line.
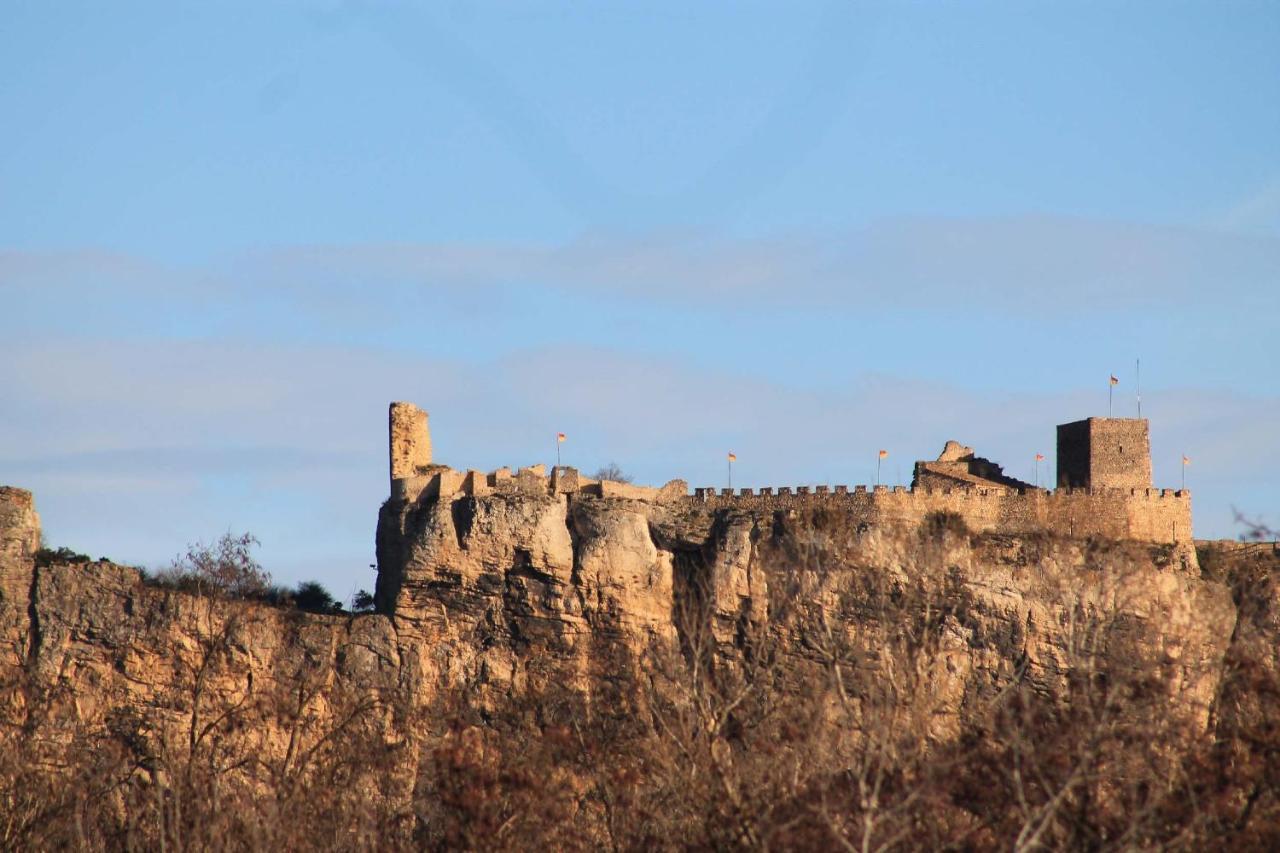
x=48, y=557
x=362, y=602
x=312, y=597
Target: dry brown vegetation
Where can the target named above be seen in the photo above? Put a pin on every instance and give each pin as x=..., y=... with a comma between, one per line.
x=824, y=732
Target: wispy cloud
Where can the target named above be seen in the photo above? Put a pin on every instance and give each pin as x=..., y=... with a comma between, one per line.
x=1017, y=265
x=1014, y=265
x=1259, y=211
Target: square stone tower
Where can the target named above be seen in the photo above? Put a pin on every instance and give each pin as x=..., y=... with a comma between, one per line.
x=1104, y=453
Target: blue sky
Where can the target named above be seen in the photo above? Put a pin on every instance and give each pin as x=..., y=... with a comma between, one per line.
x=231, y=233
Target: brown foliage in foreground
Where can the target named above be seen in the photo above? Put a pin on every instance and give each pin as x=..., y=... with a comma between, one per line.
x=829, y=740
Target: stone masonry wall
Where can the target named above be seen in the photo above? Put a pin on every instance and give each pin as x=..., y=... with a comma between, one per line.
x=1120, y=453
x=409, y=440
x=1154, y=515
x=1104, y=461
x=1151, y=515
x=1107, y=453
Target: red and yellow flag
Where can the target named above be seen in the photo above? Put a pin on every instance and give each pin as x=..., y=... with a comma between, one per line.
x=1114, y=381
x=1039, y=457
x=1186, y=460
x=733, y=457
x=560, y=436
x=884, y=454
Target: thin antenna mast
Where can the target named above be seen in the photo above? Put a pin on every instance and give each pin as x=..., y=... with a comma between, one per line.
x=1139, y=387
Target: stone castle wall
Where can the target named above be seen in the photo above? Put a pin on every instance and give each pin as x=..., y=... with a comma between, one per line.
x=444, y=482
x=1155, y=515
x=1104, y=462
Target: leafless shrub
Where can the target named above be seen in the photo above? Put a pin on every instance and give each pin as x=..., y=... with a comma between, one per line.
x=225, y=567
x=611, y=472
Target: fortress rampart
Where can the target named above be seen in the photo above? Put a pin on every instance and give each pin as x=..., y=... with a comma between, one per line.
x=1158, y=515
x=976, y=492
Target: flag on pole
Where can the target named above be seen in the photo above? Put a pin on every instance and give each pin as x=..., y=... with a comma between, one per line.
x=1114, y=381
x=1039, y=457
x=884, y=454
x=560, y=437
x=1185, y=460
x=733, y=457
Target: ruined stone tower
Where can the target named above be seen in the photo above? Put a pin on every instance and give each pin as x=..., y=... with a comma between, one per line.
x=1104, y=453
x=409, y=440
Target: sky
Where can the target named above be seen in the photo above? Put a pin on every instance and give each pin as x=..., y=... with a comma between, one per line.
x=232, y=233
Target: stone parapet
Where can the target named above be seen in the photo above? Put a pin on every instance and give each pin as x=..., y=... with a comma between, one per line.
x=441, y=482
x=1159, y=515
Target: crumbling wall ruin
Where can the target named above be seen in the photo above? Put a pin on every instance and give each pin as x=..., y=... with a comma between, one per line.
x=409, y=440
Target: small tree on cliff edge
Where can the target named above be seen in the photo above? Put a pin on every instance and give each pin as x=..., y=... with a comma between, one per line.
x=612, y=472
x=227, y=566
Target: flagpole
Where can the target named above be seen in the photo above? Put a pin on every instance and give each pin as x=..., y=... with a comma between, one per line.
x=877, y=469
x=1111, y=389
x=1139, y=386
x=730, y=475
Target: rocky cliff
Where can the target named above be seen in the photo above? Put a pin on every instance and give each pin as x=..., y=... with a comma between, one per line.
x=487, y=598
x=487, y=582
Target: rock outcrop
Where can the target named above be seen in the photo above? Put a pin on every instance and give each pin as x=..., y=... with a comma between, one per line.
x=499, y=578
x=479, y=593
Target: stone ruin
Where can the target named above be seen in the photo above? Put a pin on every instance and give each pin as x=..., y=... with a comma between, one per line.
x=1103, y=475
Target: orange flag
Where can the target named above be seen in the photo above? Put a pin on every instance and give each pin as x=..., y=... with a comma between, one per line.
x=560, y=436
x=733, y=457
x=884, y=454
x=1039, y=457
x=1186, y=461
x=1114, y=381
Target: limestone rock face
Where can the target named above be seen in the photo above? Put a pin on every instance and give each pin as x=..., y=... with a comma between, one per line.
x=536, y=575
x=19, y=525
x=477, y=591
x=19, y=539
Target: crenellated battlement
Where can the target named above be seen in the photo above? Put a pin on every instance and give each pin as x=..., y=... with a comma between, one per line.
x=444, y=482
x=712, y=493
x=1162, y=515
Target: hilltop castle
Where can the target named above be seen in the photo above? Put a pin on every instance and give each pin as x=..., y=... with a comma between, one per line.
x=1103, y=486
